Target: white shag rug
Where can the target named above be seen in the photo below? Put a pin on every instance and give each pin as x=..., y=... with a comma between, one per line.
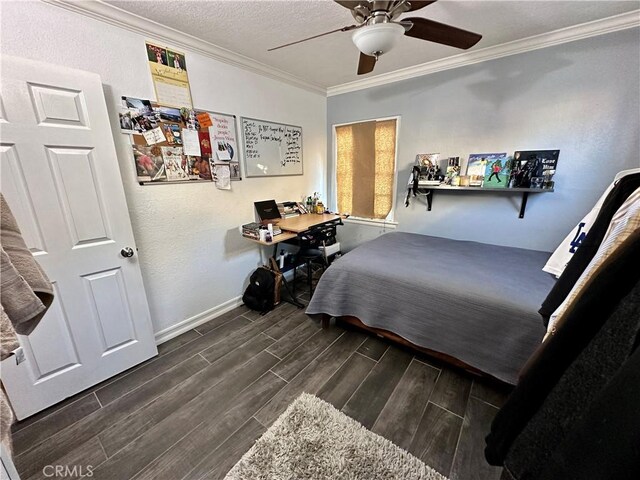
x=313, y=440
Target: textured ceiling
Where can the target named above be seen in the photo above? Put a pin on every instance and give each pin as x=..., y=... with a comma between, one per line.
x=251, y=27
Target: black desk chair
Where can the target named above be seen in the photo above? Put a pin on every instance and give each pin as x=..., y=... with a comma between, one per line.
x=310, y=252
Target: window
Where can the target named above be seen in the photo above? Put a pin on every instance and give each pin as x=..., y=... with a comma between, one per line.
x=365, y=168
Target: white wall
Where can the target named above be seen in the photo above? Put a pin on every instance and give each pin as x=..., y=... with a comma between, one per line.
x=191, y=255
x=581, y=97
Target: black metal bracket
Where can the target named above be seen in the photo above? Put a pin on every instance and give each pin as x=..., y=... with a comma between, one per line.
x=523, y=204
x=428, y=193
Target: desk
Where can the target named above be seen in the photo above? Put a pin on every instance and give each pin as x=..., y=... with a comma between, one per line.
x=291, y=228
x=302, y=223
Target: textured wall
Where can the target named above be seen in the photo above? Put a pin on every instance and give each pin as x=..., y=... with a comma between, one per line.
x=580, y=97
x=191, y=255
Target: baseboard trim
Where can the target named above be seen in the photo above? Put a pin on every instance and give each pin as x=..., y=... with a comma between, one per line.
x=192, y=322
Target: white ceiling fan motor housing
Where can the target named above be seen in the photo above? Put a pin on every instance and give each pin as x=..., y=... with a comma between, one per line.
x=377, y=39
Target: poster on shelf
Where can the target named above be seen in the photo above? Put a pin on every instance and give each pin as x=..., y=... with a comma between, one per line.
x=169, y=74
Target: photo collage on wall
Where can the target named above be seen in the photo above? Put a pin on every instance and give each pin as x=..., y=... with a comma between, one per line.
x=181, y=144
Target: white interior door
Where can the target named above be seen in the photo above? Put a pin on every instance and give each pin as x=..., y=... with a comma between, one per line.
x=60, y=176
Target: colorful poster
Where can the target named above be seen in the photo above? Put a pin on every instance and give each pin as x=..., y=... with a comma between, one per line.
x=175, y=163
x=169, y=74
x=223, y=137
x=205, y=143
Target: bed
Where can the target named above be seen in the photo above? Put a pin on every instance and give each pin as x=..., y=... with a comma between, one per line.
x=472, y=303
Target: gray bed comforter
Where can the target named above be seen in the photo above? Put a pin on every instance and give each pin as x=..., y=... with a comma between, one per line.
x=473, y=301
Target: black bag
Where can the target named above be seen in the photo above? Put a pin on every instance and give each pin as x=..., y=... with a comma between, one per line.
x=260, y=293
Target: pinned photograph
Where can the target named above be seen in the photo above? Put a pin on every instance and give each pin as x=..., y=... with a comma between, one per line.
x=126, y=122
x=150, y=165
x=173, y=134
x=141, y=106
x=235, y=171
x=198, y=168
x=169, y=114
x=176, y=60
x=157, y=54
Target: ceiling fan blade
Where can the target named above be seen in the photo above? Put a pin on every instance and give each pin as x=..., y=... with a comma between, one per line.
x=417, y=5
x=343, y=29
x=431, y=31
x=366, y=63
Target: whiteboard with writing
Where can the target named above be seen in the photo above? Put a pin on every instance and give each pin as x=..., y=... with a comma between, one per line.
x=271, y=149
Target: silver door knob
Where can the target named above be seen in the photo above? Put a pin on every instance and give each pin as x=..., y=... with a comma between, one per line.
x=127, y=252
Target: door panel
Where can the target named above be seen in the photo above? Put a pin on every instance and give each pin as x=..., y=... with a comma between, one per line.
x=60, y=176
x=48, y=361
x=58, y=106
x=14, y=185
x=75, y=181
x=108, y=297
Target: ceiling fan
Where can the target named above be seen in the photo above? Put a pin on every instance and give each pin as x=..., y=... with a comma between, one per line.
x=376, y=30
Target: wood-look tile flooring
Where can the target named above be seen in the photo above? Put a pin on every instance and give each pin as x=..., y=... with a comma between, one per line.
x=196, y=408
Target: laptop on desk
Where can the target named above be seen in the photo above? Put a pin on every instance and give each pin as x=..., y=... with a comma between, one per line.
x=267, y=210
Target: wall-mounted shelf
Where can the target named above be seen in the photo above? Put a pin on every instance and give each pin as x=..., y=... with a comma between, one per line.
x=428, y=192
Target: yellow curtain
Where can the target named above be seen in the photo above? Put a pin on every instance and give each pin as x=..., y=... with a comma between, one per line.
x=365, y=167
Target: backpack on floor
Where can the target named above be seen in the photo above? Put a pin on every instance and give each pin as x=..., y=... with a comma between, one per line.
x=263, y=292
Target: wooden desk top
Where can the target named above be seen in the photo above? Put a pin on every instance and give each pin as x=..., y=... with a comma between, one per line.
x=277, y=239
x=294, y=225
x=303, y=223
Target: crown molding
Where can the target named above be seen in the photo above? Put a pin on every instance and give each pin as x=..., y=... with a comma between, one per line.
x=112, y=15
x=556, y=37
x=129, y=21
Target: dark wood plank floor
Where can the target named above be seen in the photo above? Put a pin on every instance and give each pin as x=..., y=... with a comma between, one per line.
x=192, y=411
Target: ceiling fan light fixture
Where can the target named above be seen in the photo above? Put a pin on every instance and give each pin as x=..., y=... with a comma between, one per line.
x=374, y=40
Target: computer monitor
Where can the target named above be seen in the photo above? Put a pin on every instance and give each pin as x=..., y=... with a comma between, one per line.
x=267, y=210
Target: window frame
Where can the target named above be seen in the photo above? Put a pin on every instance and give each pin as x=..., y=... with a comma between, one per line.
x=390, y=218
